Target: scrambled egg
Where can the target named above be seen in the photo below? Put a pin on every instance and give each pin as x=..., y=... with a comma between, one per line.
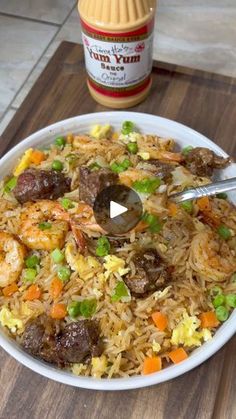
x=100, y=131
x=77, y=369
x=7, y=319
x=156, y=347
x=186, y=332
x=144, y=155
x=86, y=267
x=99, y=366
x=24, y=162
x=114, y=264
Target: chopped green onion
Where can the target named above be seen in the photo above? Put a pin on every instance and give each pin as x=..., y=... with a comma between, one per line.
x=29, y=275
x=230, y=300
x=32, y=261
x=64, y=273
x=215, y=291
x=45, y=226
x=121, y=292
x=187, y=206
x=147, y=185
x=71, y=158
x=224, y=232
x=132, y=148
x=103, y=246
x=219, y=300
x=10, y=185
x=94, y=166
x=57, y=165
x=233, y=277
x=57, y=256
x=222, y=313
x=60, y=142
x=88, y=308
x=127, y=127
x=222, y=195
x=74, y=309
x=186, y=150
x=155, y=226
x=120, y=167
x=67, y=203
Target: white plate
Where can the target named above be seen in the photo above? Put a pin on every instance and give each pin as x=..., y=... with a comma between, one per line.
x=147, y=124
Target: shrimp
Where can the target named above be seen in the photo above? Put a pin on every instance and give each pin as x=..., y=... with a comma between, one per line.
x=48, y=236
x=209, y=258
x=12, y=254
x=85, y=220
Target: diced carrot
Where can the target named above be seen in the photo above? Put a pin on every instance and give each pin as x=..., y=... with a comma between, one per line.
x=58, y=311
x=37, y=157
x=178, y=355
x=151, y=365
x=173, y=209
x=11, y=289
x=208, y=319
x=32, y=293
x=204, y=204
x=56, y=287
x=160, y=320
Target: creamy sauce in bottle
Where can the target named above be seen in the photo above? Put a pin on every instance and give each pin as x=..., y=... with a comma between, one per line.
x=118, y=45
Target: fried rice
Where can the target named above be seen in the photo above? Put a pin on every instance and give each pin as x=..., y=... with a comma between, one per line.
x=201, y=261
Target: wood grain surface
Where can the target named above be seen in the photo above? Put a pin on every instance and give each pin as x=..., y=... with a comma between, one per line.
x=203, y=101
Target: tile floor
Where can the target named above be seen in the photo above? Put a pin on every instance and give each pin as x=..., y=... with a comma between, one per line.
x=195, y=33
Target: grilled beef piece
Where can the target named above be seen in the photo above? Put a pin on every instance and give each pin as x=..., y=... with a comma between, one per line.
x=76, y=343
x=79, y=340
x=35, y=184
x=151, y=273
x=93, y=182
x=40, y=341
x=201, y=161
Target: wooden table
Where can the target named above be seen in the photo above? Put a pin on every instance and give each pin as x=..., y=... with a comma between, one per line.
x=201, y=100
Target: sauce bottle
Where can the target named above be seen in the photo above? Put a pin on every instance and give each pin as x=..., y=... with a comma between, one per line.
x=118, y=43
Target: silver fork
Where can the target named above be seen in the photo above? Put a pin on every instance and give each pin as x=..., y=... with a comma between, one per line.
x=206, y=190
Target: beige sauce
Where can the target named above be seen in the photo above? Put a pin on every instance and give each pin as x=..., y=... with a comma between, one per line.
x=118, y=44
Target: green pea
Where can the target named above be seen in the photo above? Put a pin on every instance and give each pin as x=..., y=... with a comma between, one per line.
x=88, y=308
x=29, y=275
x=222, y=313
x=230, y=300
x=224, y=232
x=32, y=261
x=67, y=203
x=186, y=150
x=219, y=300
x=57, y=256
x=120, y=167
x=45, y=226
x=64, y=273
x=187, y=206
x=132, y=148
x=155, y=226
x=57, y=165
x=127, y=127
x=74, y=309
x=60, y=142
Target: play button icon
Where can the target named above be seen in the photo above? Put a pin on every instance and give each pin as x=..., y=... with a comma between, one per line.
x=118, y=209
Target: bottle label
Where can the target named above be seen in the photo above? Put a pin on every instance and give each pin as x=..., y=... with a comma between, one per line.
x=118, y=64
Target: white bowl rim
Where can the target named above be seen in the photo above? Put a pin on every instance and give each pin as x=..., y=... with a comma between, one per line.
x=225, y=332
